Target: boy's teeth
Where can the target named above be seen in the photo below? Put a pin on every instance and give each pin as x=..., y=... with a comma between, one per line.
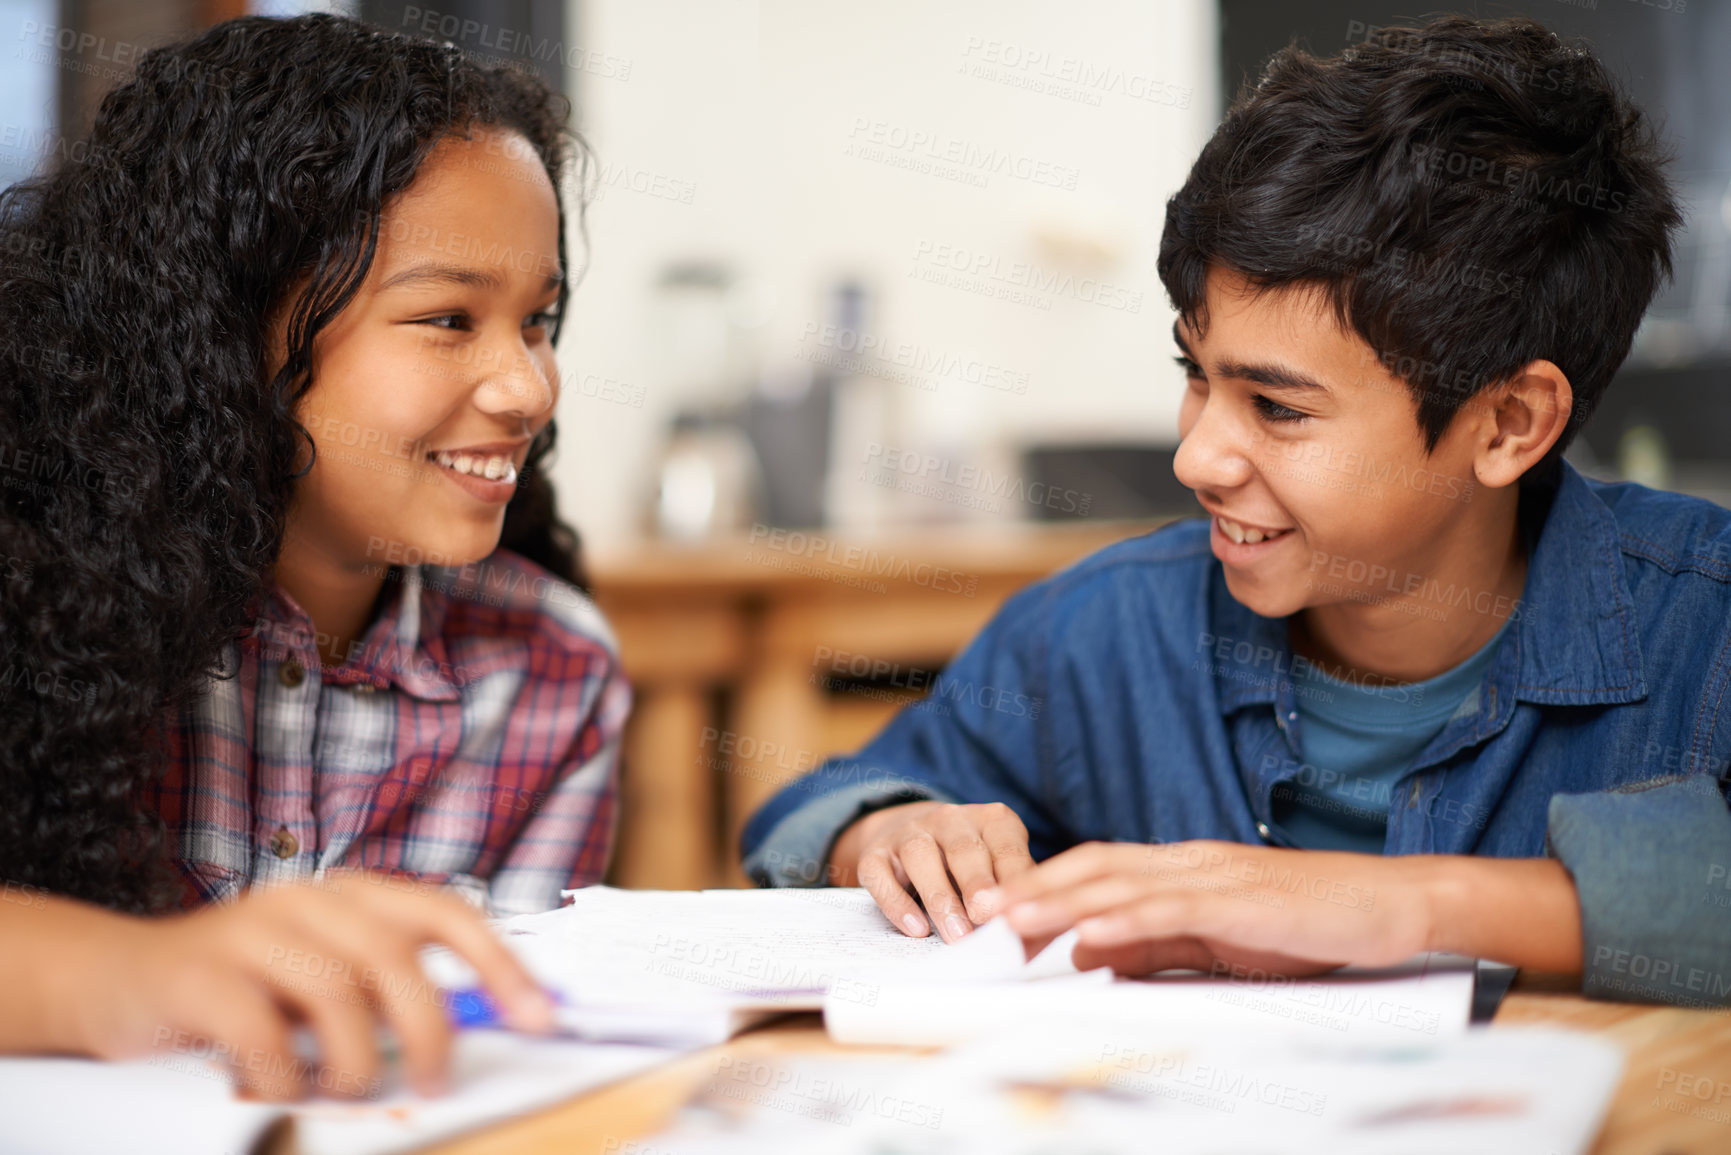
x=1245, y=535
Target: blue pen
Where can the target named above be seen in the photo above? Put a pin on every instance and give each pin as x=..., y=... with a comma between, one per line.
x=474, y=1007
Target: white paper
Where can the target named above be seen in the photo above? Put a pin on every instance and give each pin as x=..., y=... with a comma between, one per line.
x=496, y=1075
x=1423, y=999
x=764, y=949
x=59, y=1106
x=184, y=1105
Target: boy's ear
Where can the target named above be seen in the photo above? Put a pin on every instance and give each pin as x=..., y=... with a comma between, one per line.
x=1521, y=419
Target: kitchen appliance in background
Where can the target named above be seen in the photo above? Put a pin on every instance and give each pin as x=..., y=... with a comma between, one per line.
x=795, y=416
x=710, y=483
x=862, y=416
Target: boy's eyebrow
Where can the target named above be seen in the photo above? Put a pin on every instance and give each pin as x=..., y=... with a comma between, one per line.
x=465, y=275
x=1269, y=376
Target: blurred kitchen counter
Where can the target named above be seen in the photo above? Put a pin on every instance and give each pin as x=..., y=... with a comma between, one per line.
x=734, y=648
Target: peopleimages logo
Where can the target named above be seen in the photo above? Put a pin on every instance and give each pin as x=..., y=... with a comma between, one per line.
x=881, y=140
x=1021, y=282
x=1437, y=162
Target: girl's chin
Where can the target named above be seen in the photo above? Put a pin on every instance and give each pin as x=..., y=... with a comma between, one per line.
x=442, y=550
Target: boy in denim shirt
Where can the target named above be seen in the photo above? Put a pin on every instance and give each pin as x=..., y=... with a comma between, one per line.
x=1416, y=684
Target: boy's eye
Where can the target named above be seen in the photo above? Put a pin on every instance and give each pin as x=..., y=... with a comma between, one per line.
x=1191, y=368
x=546, y=319
x=1274, y=410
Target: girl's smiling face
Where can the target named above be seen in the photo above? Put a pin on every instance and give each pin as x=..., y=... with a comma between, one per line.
x=430, y=385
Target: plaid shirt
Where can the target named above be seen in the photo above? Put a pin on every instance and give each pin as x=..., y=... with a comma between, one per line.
x=471, y=739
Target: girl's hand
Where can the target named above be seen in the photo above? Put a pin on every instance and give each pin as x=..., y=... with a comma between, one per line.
x=1213, y=905
x=339, y=955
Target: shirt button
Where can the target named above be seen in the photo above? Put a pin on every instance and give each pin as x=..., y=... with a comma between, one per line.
x=283, y=844
x=291, y=673
x=364, y=687
x=1262, y=829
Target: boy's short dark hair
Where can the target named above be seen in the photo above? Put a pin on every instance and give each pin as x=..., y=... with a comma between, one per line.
x=1470, y=196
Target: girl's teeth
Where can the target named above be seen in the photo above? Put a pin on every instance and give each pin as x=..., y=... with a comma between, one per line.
x=491, y=468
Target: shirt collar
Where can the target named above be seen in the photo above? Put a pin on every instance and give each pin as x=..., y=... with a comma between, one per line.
x=1576, y=635
x=404, y=647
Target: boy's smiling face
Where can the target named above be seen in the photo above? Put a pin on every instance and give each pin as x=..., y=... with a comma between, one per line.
x=1292, y=427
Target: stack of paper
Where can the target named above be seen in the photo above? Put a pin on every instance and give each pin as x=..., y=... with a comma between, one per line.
x=691, y=967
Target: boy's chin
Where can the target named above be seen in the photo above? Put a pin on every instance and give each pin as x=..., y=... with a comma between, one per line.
x=1263, y=600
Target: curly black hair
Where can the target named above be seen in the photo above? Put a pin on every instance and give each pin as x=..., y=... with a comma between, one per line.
x=1470, y=196
x=147, y=462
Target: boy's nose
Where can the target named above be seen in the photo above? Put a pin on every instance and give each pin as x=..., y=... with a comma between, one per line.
x=1212, y=456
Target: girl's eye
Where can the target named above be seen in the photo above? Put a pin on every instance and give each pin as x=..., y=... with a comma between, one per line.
x=458, y=321
x=545, y=320
x=1274, y=411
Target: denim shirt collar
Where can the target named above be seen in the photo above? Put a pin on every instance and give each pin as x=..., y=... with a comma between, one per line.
x=1574, y=645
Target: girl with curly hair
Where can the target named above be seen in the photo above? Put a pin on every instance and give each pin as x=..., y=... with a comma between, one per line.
x=287, y=616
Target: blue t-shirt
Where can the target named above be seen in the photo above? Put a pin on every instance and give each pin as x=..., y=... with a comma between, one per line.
x=1358, y=740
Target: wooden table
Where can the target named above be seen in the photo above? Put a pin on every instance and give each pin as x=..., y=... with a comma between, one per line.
x=730, y=647
x=1679, y=1062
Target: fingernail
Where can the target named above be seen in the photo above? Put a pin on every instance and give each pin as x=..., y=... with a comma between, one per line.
x=987, y=898
x=958, y=926
x=1022, y=912
x=915, y=924
x=1095, y=931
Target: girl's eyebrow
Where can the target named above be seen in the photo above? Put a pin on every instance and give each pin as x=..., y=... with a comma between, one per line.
x=465, y=275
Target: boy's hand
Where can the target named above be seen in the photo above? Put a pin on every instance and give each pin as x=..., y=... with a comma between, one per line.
x=933, y=849
x=339, y=955
x=1200, y=905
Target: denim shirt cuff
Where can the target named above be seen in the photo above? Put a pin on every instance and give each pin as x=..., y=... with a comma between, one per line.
x=1651, y=864
x=796, y=852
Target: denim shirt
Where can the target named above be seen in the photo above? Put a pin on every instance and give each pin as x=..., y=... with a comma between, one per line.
x=1132, y=698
